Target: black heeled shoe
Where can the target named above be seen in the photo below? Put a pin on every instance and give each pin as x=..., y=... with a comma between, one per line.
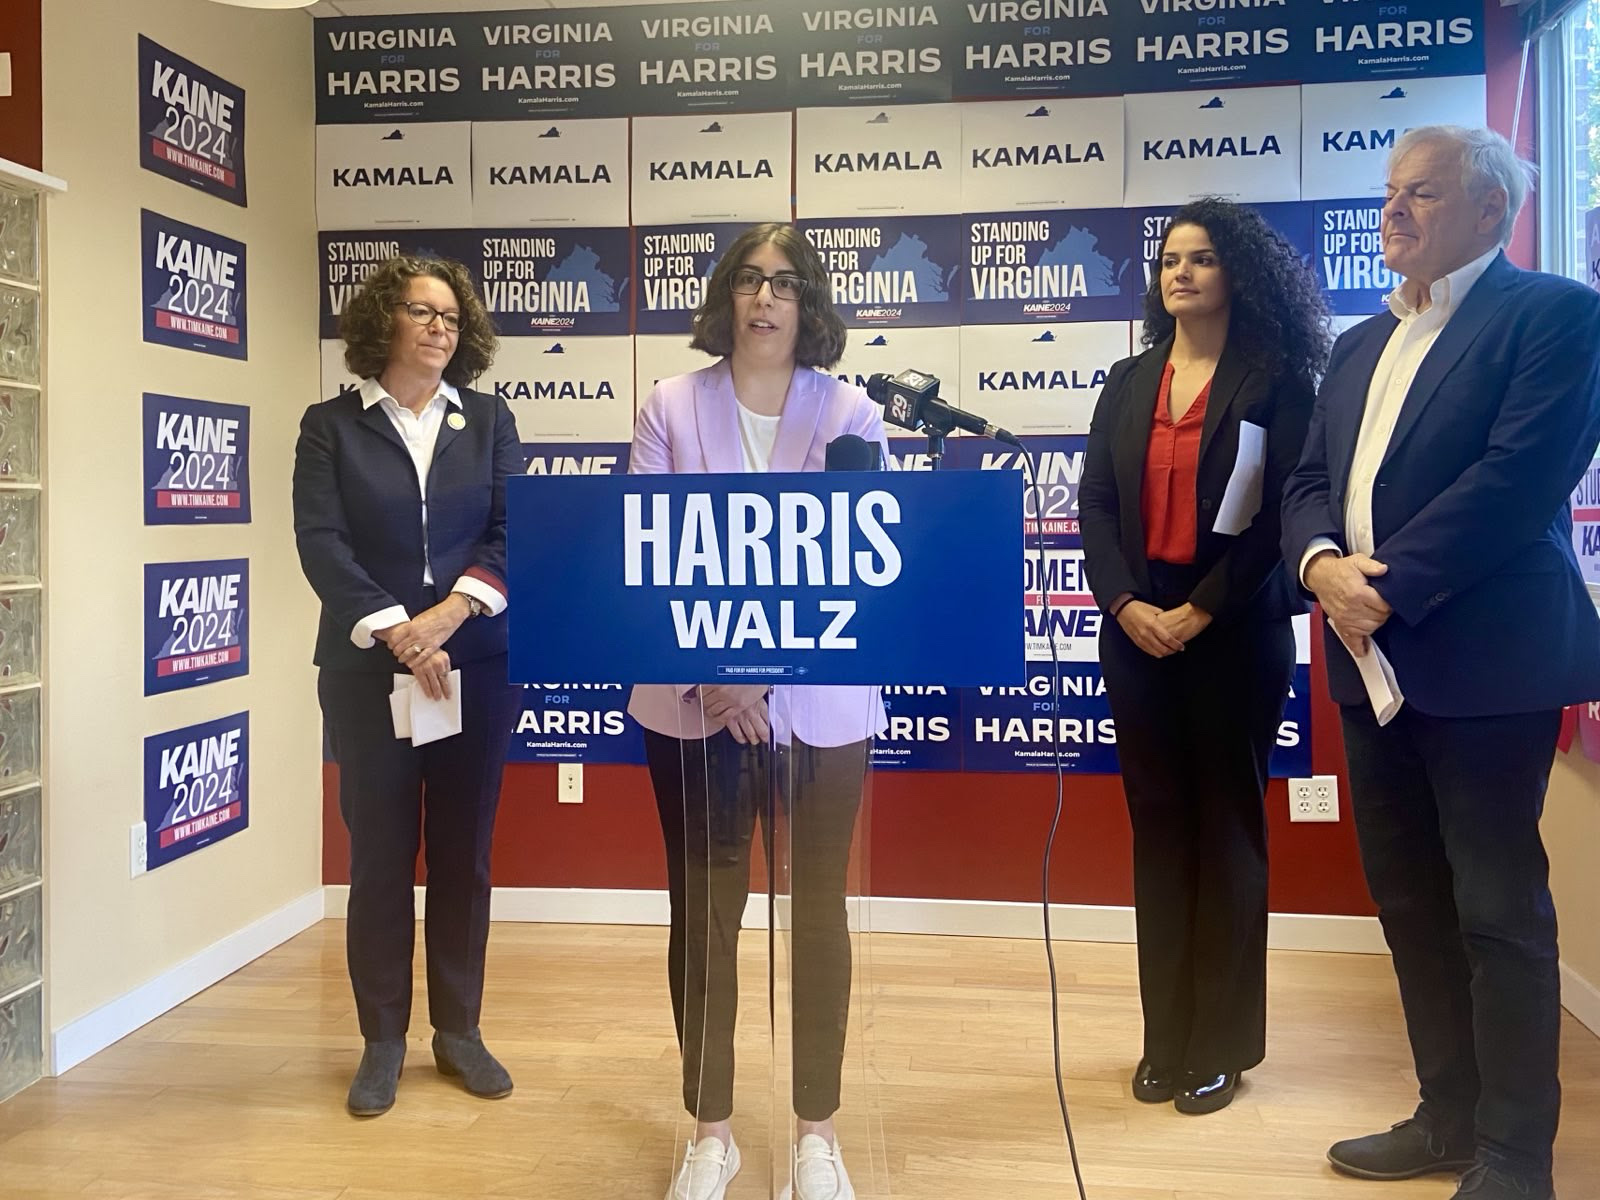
x=1154, y=1085
x=1201, y=1094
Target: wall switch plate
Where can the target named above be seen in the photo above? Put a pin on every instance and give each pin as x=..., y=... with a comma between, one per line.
x=1314, y=799
x=569, y=783
x=138, y=850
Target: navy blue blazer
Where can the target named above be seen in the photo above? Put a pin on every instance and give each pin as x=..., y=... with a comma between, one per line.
x=1242, y=576
x=358, y=520
x=1470, y=505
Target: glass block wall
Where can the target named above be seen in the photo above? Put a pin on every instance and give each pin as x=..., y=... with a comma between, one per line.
x=21, y=597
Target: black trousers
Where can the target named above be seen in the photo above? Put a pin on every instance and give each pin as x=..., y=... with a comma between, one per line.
x=709, y=795
x=1447, y=811
x=1194, y=733
x=390, y=794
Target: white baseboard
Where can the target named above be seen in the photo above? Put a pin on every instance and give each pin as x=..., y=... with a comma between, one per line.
x=1580, y=998
x=111, y=1022
x=895, y=914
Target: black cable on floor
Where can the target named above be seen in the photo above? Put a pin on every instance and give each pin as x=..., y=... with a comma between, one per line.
x=1055, y=821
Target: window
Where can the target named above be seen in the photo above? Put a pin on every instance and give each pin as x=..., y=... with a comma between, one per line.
x=1569, y=138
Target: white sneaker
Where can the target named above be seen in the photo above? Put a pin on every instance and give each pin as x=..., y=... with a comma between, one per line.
x=707, y=1169
x=819, y=1172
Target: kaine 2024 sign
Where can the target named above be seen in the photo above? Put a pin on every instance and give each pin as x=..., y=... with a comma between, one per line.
x=789, y=578
x=191, y=123
x=196, y=623
x=196, y=462
x=196, y=787
x=193, y=288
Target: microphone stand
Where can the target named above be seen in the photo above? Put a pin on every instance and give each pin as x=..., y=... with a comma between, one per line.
x=936, y=433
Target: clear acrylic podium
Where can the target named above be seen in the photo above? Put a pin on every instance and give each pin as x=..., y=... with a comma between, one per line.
x=754, y=616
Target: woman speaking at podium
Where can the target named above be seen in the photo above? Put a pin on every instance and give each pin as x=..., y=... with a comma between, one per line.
x=1189, y=448
x=767, y=403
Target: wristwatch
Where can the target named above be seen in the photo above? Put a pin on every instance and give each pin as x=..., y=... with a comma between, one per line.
x=474, y=605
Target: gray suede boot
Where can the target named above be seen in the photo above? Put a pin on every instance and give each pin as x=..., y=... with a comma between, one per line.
x=464, y=1054
x=372, y=1090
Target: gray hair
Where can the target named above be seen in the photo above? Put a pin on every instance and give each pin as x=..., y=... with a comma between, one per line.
x=1488, y=163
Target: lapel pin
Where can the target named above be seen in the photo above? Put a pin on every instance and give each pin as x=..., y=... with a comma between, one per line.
x=457, y=421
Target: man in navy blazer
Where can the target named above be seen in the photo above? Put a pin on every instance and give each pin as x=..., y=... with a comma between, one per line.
x=1429, y=516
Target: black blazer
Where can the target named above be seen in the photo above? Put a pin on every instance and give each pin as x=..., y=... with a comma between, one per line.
x=1244, y=576
x=1470, y=508
x=358, y=520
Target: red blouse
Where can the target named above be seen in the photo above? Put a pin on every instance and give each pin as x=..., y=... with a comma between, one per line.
x=1171, y=468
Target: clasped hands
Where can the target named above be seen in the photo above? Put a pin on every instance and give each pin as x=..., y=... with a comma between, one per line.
x=1352, y=605
x=742, y=707
x=1161, y=632
x=417, y=643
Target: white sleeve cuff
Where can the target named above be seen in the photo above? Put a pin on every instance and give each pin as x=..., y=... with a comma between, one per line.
x=490, y=597
x=1317, y=546
x=361, y=635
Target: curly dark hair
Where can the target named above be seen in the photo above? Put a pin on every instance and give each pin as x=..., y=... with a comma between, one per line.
x=821, y=339
x=367, y=322
x=1279, y=319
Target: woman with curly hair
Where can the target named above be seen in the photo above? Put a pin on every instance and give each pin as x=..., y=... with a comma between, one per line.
x=400, y=518
x=1189, y=448
x=715, y=749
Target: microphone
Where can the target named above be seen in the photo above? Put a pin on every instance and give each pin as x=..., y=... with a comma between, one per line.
x=848, y=452
x=911, y=401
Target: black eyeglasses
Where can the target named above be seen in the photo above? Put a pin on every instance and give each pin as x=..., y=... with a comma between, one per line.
x=747, y=281
x=423, y=314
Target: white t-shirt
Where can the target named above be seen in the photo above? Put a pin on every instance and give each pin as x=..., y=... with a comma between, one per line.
x=756, y=436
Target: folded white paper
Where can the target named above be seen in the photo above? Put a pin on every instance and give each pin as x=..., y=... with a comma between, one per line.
x=422, y=720
x=400, y=705
x=1383, y=689
x=1241, y=500
x=435, y=719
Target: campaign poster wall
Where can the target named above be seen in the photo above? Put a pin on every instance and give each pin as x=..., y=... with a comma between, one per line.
x=196, y=787
x=196, y=462
x=193, y=288
x=196, y=623
x=191, y=124
x=987, y=182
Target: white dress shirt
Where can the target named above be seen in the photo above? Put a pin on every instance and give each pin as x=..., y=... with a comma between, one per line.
x=1396, y=371
x=420, y=433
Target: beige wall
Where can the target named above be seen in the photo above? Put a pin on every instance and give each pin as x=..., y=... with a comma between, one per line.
x=1572, y=833
x=106, y=932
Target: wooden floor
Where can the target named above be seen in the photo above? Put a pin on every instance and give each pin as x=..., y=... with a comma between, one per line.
x=238, y=1094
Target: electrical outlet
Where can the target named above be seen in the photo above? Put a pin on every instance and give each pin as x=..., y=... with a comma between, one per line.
x=138, y=852
x=569, y=783
x=1314, y=799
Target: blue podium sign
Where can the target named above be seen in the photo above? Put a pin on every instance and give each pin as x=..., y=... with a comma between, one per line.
x=850, y=578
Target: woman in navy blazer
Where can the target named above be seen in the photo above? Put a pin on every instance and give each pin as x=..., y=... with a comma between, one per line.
x=716, y=751
x=1189, y=448
x=400, y=518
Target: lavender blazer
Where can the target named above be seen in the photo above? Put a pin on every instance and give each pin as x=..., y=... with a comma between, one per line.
x=690, y=425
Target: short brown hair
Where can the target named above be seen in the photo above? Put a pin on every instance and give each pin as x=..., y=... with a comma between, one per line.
x=821, y=339
x=367, y=322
